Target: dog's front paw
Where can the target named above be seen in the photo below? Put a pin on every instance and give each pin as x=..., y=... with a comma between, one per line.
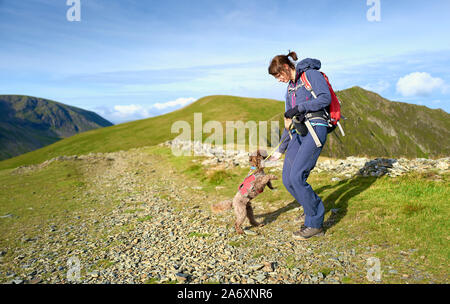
x=238, y=229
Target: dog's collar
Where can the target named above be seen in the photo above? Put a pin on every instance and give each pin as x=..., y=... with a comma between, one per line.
x=253, y=168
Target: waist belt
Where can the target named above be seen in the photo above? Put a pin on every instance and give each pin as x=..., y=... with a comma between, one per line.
x=313, y=115
x=317, y=115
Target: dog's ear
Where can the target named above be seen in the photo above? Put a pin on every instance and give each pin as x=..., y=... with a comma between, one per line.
x=262, y=153
x=253, y=155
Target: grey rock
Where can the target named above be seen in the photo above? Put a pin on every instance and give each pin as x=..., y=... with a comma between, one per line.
x=249, y=232
x=255, y=267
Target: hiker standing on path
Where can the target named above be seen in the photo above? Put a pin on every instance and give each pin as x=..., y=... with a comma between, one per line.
x=302, y=152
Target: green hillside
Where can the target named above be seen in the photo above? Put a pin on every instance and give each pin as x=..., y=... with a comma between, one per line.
x=379, y=127
x=29, y=123
x=374, y=127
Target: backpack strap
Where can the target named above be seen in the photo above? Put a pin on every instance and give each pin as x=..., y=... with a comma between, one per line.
x=307, y=84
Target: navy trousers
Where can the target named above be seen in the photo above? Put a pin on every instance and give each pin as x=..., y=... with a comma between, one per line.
x=300, y=158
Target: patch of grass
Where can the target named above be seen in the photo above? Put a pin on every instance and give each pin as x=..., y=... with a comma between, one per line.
x=198, y=234
x=102, y=264
x=347, y=280
x=151, y=281
x=392, y=215
x=218, y=177
x=164, y=196
x=412, y=208
x=127, y=227
x=194, y=170
x=37, y=199
x=133, y=210
x=235, y=243
x=290, y=261
x=326, y=271
x=145, y=218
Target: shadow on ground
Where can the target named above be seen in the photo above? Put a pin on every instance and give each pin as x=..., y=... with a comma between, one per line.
x=335, y=202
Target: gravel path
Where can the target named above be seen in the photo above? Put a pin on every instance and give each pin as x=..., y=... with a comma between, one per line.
x=157, y=227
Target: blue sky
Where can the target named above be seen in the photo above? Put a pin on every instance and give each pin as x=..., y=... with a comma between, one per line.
x=134, y=59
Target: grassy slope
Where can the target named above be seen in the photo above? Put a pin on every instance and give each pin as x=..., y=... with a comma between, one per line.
x=378, y=127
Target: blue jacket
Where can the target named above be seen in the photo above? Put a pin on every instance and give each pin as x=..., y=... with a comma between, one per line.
x=302, y=98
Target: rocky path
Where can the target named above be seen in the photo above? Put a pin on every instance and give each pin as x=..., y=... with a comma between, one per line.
x=176, y=238
x=156, y=227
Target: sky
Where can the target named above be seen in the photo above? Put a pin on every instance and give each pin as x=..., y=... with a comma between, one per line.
x=133, y=59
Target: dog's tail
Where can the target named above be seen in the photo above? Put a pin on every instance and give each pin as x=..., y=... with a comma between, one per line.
x=222, y=206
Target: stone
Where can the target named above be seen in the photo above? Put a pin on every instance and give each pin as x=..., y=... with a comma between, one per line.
x=181, y=277
x=255, y=267
x=260, y=277
x=269, y=266
x=94, y=274
x=35, y=281
x=249, y=232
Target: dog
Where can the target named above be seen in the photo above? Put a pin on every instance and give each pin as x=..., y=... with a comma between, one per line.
x=253, y=185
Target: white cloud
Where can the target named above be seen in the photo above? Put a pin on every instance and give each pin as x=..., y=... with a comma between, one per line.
x=420, y=84
x=378, y=87
x=124, y=113
x=171, y=104
x=128, y=110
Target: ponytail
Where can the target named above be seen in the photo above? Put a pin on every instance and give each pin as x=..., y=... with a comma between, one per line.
x=278, y=62
x=293, y=55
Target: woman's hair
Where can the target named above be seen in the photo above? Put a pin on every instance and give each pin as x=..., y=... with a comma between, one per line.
x=278, y=62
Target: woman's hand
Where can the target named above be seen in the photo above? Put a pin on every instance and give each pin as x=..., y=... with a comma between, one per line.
x=287, y=123
x=274, y=157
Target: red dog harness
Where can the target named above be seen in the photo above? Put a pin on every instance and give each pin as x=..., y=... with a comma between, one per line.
x=247, y=184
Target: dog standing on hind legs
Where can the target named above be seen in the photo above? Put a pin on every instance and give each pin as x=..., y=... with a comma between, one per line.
x=252, y=186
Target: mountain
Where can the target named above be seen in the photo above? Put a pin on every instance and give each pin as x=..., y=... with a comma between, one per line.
x=375, y=127
x=29, y=123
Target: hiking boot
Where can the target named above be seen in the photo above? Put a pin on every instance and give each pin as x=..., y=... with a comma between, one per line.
x=300, y=219
x=307, y=232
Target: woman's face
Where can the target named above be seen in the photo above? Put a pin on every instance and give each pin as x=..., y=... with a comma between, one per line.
x=284, y=75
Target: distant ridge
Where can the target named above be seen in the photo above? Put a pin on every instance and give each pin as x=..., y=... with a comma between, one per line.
x=29, y=123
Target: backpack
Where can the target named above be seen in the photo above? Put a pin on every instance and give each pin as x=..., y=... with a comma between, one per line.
x=334, y=109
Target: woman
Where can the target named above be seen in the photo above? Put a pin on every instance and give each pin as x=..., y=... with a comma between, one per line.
x=302, y=152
